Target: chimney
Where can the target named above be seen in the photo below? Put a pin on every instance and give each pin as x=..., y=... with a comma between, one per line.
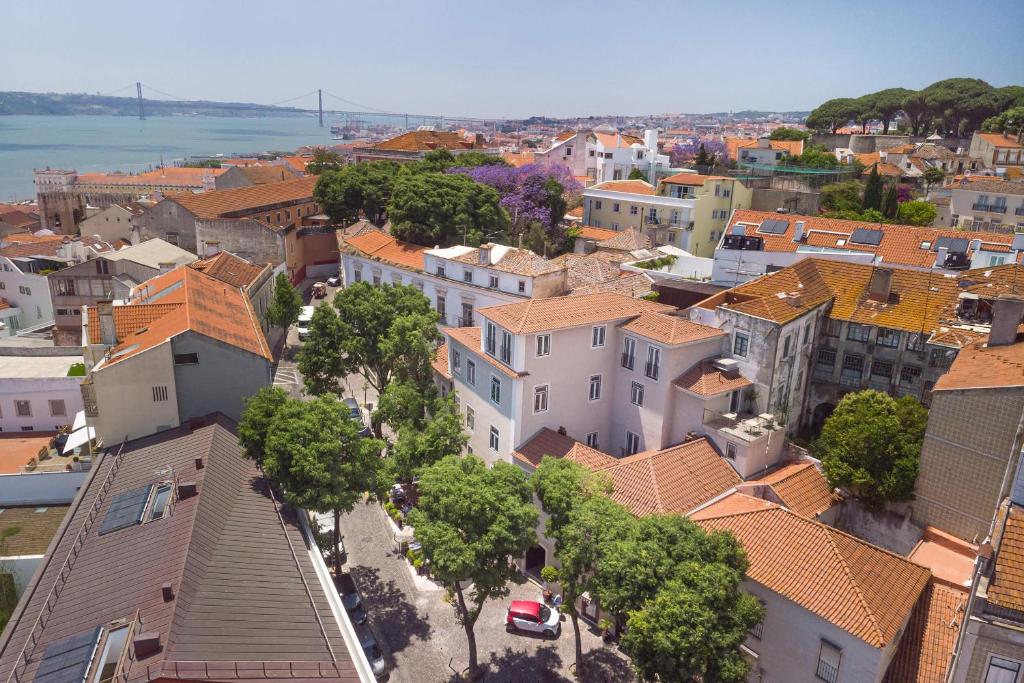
x=479, y=140
x=167, y=266
x=1007, y=312
x=880, y=286
x=798, y=232
x=108, y=332
x=168, y=591
x=485, y=254
x=212, y=248
x=940, y=258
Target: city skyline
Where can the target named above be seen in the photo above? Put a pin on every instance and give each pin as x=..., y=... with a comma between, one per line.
x=466, y=60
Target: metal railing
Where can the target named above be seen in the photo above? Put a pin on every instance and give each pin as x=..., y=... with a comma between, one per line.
x=827, y=672
x=464, y=322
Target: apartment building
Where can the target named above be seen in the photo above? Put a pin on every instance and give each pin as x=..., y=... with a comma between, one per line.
x=177, y=562
x=762, y=151
x=1000, y=152
x=760, y=242
x=988, y=204
x=605, y=154
x=636, y=205
x=114, y=222
x=109, y=275
x=184, y=345
x=717, y=197
x=256, y=280
x=39, y=393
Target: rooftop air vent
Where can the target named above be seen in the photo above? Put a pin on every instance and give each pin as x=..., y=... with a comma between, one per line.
x=726, y=364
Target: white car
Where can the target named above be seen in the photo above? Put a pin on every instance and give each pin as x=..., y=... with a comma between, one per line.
x=334, y=281
x=304, y=319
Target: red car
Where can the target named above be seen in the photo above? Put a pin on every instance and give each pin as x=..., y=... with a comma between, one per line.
x=527, y=615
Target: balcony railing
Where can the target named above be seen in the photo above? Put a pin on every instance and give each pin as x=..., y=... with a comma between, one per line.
x=1019, y=211
x=628, y=360
x=827, y=672
x=651, y=370
x=991, y=208
x=744, y=426
x=464, y=322
x=979, y=206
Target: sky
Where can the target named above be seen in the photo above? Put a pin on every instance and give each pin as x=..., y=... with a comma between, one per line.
x=483, y=58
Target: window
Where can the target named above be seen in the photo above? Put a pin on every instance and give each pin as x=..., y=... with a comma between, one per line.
x=636, y=394
x=632, y=443
x=628, y=352
x=671, y=236
x=807, y=333
x=493, y=443
x=540, y=399
x=495, y=389
x=832, y=327
x=470, y=417
x=456, y=360
x=941, y=358
x=23, y=408
x=492, y=281
x=113, y=647
x=785, y=346
x=615, y=207
x=916, y=342
x=57, y=408
x=633, y=211
x=730, y=451
x=442, y=307
x=909, y=374
x=160, y=393
x=505, y=351
x=376, y=280
x=653, y=362
x=186, y=359
x=740, y=344
x=172, y=237
x=522, y=286
x=467, y=275
x=887, y=337
x=882, y=369
x=595, y=387
x=358, y=273
x=471, y=372
x=160, y=501
x=828, y=662
x=28, y=429
x=597, y=336
x=857, y=332
x=543, y=345
x=490, y=339
x=1002, y=671
x=27, y=291
x=853, y=369
x=440, y=270
x=591, y=439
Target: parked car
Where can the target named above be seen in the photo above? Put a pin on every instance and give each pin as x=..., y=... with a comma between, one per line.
x=305, y=317
x=350, y=598
x=534, y=617
x=319, y=290
x=334, y=281
x=356, y=414
x=373, y=654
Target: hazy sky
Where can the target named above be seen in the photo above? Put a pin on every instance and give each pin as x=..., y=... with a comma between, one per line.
x=486, y=58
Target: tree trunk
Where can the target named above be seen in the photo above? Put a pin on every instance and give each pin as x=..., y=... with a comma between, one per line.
x=579, y=646
x=470, y=636
x=337, y=540
x=885, y=126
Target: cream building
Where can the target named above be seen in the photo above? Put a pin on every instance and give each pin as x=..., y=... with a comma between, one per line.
x=986, y=203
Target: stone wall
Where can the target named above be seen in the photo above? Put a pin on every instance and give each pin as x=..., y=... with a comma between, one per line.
x=250, y=239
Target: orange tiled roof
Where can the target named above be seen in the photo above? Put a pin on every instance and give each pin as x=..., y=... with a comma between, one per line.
x=167, y=176
x=792, y=147
x=673, y=480
x=862, y=589
x=549, y=442
x=926, y=646
x=575, y=213
x=26, y=244
x=512, y=260
x=518, y=159
x=298, y=163
x=425, y=141
x=180, y=300
x=704, y=379
x=979, y=366
x=670, y=329
x=379, y=245
x=1000, y=140
x=241, y=201
x=556, y=313
x=470, y=338
x=597, y=234
x=628, y=186
x=628, y=284
x=885, y=169
x=588, y=269
x=802, y=488
x=258, y=175
x=440, y=361
x=1006, y=587
x=617, y=140
x=629, y=239
x=230, y=269
x=691, y=179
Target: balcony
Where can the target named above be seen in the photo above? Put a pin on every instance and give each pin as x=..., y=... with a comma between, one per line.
x=745, y=427
x=464, y=322
x=991, y=208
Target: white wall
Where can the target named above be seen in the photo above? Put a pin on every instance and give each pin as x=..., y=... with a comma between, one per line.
x=21, y=567
x=39, y=392
x=33, y=300
x=124, y=394
x=735, y=266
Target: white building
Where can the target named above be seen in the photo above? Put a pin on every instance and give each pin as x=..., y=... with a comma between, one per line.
x=625, y=204
x=604, y=154
x=37, y=393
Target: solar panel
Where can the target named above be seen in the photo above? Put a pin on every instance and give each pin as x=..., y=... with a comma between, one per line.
x=67, y=660
x=773, y=226
x=870, y=236
x=739, y=230
x=125, y=510
x=954, y=245
x=1018, y=242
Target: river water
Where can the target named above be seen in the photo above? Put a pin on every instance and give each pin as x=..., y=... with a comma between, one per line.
x=89, y=144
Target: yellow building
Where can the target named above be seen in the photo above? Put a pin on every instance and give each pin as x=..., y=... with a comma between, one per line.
x=716, y=198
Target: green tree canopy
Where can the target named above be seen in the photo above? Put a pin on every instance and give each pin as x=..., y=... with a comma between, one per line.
x=357, y=190
x=887, y=104
x=844, y=196
x=917, y=212
x=872, y=445
x=933, y=176
x=471, y=519
x=319, y=359
x=814, y=156
x=419, y=447
x=286, y=304
x=832, y=115
x=890, y=202
x=257, y=417
x=324, y=160
x=1010, y=122
x=403, y=403
x=786, y=133
x=873, y=190
x=444, y=209
x=635, y=174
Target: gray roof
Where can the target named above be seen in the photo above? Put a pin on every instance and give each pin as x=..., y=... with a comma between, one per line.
x=152, y=253
x=990, y=185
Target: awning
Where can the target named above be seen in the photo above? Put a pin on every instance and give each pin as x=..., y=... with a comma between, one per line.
x=79, y=421
x=79, y=437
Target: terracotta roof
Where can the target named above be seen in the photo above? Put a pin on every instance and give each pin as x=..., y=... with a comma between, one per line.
x=988, y=184
x=230, y=269
x=242, y=201
x=673, y=480
x=629, y=186
x=512, y=260
x=28, y=529
x=236, y=560
x=801, y=487
x=926, y=646
x=557, y=313
x=691, y=179
x=979, y=366
x=469, y=337
x=258, y=175
x=597, y=234
x=1006, y=587
x=629, y=239
x=298, y=163
x=379, y=245
x=575, y=213
x=183, y=299
x=518, y=159
x=565, y=135
x=24, y=245
x=589, y=269
x=1000, y=140
x=704, y=379
x=18, y=219
x=440, y=361
x=617, y=140
x=425, y=141
x=885, y=169
x=733, y=145
x=168, y=176
x=670, y=329
x=862, y=589
x=628, y=284
x=550, y=442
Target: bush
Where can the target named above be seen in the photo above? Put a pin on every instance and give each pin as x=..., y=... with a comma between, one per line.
x=549, y=574
x=77, y=370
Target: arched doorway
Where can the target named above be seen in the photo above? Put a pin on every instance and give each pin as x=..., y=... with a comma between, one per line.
x=822, y=411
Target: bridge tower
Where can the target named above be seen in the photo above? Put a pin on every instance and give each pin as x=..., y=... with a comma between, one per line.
x=142, y=111
x=320, y=102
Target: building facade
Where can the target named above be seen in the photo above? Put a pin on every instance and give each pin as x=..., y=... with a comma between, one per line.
x=39, y=393
x=987, y=204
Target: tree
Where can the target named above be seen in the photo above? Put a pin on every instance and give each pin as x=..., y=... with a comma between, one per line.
x=844, y=196
x=865, y=112
x=887, y=104
x=315, y=454
x=703, y=158
x=471, y=519
x=417, y=448
x=443, y=209
x=319, y=359
x=257, y=417
x=932, y=176
x=324, y=160
x=669, y=563
x=581, y=520
x=915, y=106
x=890, y=205
x=286, y=305
x=786, y=133
x=815, y=156
x=873, y=190
x=404, y=403
x=832, y=115
x=918, y=212
x=1010, y=122
x=637, y=174
x=387, y=332
x=872, y=444
x=362, y=189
